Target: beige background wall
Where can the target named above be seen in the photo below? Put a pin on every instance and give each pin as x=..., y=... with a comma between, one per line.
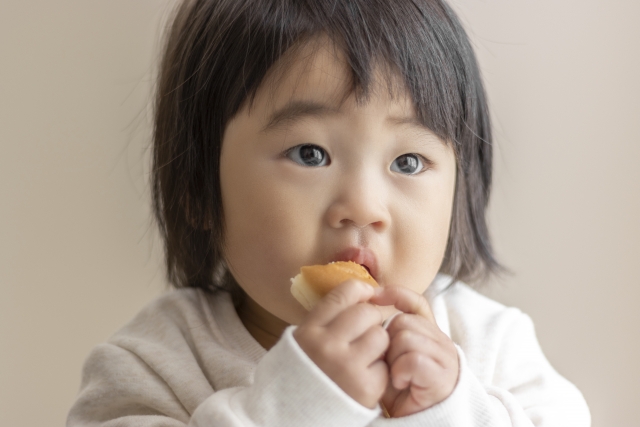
x=79, y=255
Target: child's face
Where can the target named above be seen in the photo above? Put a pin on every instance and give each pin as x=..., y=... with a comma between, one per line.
x=361, y=180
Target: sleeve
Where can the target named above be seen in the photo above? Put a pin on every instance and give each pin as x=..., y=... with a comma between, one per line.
x=289, y=391
x=525, y=392
x=120, y=390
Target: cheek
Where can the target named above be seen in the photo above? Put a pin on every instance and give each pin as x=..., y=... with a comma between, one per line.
x=422, y=233
x=269, y=229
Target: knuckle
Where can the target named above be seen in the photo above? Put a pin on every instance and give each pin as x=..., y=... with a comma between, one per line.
x=418, y=361
x=430, y=367
x=378, y=336
x=394, y=290
x=362, y=310
x=338, y=297
x=403, y=321
x=404, y=336
x=347, y=292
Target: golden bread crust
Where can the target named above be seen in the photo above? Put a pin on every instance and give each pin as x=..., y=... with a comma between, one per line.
x=323, y=278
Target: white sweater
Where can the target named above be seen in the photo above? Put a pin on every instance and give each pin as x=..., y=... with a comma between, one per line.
x=187, y=360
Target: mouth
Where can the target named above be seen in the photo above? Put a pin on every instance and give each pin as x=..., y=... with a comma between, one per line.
x=363, y=256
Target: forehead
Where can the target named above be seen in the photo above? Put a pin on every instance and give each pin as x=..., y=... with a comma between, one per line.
x=318, y=72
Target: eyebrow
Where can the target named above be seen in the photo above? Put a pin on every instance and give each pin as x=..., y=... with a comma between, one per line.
x=297, y=110
x=416, y=124
x=411, y=121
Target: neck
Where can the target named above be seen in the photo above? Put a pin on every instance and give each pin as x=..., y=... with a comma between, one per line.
x=263, y=326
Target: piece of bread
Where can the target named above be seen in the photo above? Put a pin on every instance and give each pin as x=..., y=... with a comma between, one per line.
x=315, y=281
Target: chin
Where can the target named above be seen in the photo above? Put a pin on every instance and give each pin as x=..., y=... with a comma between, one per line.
x=295, y=315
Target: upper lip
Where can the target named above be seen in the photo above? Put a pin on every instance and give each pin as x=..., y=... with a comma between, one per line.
x=362, y=256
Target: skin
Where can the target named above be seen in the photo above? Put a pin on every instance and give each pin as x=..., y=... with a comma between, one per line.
x=281, y=215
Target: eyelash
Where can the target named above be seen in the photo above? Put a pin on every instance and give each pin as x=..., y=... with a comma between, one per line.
x=291, y=150
x=426, y=163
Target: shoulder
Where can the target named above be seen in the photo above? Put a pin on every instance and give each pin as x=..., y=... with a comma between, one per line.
x=465, y=306
x=500, y=347
x=174, y=318
x=184, y=299
x=175, y=306
x=485, y=329
x=149, y=361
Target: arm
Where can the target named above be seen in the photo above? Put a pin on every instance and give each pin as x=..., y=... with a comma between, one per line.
x=120, y=389
x=327, y=371
x=525, y=391
x=161, y=370
x=526, y=384
x=289, y=390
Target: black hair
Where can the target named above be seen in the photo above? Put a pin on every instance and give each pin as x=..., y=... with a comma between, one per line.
x=218, y=53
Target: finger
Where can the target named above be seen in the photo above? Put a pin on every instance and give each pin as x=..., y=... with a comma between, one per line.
x=404, y=299
x=378, y=371
x=407, y=341
x=342, y=296
x=439, y=349
x=412, y=322
x=355, y=320
x=371, y=345
x=412, y=369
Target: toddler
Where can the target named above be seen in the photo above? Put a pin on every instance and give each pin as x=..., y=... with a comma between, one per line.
x=300, y=132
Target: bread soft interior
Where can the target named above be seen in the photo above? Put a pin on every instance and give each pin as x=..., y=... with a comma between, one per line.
x=303, y=292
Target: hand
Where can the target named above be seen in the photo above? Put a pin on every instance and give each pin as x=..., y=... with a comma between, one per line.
x=344, y=337
x=423, y=361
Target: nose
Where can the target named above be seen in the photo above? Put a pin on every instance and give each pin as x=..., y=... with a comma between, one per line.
x=361, y=201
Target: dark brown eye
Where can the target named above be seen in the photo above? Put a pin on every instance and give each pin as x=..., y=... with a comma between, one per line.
x=308, y=155
x=409, y=164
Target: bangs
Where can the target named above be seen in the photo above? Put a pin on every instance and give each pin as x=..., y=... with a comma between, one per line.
x=404, y=39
